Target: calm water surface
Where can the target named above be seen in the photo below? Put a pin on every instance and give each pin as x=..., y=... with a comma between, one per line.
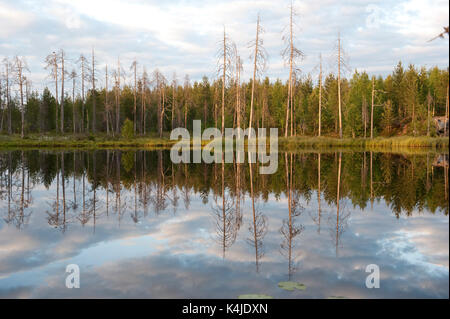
x=139, y=226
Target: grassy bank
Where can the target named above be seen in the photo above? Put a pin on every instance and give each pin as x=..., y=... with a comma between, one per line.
x=290, y=143
x=82, y=141
x=376, y=143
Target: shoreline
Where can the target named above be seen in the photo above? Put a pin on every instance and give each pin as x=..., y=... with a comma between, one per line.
x=287, y=144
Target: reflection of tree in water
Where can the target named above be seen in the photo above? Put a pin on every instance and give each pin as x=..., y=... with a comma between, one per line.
x=224, y=215
x=159, y=199
x=174, y=196
x=186, y=188
x=120, y=204
x=258, y=228
x=145, y=188
x=238, y=199
x=90, y=202
x=338, y=224
x=57, y=217
x=18, y=201
x=406, y=183
x=73, y=203
x=318, y=219
x=289, y=229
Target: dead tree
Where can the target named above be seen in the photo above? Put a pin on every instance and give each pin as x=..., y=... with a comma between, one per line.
x=93, y=79
x=106, y=100
x=320, y=96
x=291, y=56
x=117, y=77
x=224, y=68
x=341, y=64
x=187, y=98
x=143, y=106
x=62, y=54
x=52, y=62
x=82, y=60
x=259, y=65
x=160, y=83
x=238, y=70
x=133, y=68
x=174, y=99
x=8, y=67
x=73, y=77
x=20, y=66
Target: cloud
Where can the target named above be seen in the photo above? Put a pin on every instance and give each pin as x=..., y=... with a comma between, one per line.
x=183, y=36
x=13, y=21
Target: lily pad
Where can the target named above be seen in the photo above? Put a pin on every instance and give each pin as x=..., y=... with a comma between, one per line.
x=337, y=297
x=291, y=285
x=254, y=296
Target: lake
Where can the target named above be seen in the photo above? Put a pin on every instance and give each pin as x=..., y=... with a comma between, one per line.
x=139, y=226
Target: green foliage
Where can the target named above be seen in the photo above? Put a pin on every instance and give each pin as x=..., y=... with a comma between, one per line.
x=406, y=89
x=128, y=129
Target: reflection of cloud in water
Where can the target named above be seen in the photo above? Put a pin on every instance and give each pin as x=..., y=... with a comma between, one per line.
x=185, y=263
x=404, y=246
x=174, y=255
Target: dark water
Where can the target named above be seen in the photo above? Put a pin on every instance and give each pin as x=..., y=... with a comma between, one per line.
x=139, y=226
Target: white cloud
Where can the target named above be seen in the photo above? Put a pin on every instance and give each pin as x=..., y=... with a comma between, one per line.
x=182, y=36
x=12, y=20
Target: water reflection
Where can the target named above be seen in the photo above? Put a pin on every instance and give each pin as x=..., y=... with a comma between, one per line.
x=140, y=226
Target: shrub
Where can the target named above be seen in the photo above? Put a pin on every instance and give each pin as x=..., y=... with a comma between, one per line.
x=128, y=129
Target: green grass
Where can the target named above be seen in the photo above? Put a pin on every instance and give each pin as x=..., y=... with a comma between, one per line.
x=82, y=141
x=391, y=143
x=286, y=144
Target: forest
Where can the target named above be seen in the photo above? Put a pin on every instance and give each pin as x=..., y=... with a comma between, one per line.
x=133, y=102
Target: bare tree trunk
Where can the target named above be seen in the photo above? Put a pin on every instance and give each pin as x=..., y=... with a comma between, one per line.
x=339, y=86
x=135, y=97
x=428, y=117
x=320, y=97
x=174, y=101
x=55, y=66
x=8, y=104
x=62, y=91
x=93, y=93
x=238, y=94
x=224, y=79
x=143, y=105
x=254, y=79
x=73, y=102
x=106, y=101
x=118, y=100
x=83, y=116
x=371, y=109
x=291, y=55
x=20, y=66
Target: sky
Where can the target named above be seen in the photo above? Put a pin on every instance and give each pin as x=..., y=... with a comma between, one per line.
x=184, y=36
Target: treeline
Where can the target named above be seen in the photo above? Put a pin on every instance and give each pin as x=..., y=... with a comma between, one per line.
x=404, y=102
